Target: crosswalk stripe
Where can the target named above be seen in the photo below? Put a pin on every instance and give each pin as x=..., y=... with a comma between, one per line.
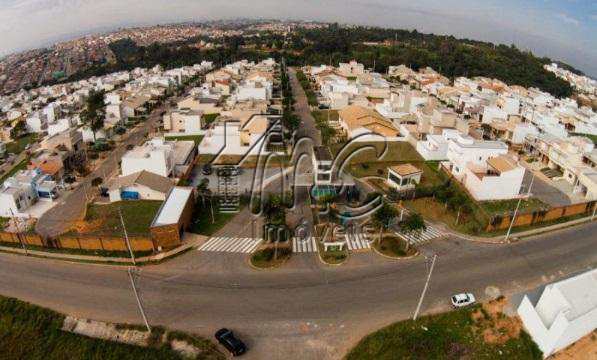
x=304, y=245
x=230, y=244
x=215, y=244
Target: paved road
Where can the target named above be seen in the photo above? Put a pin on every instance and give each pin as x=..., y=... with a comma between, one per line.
x=304, y=310
x=302, y=109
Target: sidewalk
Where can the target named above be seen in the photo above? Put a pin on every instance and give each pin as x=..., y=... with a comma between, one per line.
x=514, y=236
x=193, y=240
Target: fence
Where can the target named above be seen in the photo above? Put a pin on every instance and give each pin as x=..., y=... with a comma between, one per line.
x=502, y=222
x=26, y=238
x=104, y=243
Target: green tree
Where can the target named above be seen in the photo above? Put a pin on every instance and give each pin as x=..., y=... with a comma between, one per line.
x=94, y=112
x=18, y=130
x=384, y=217
x=205, y=193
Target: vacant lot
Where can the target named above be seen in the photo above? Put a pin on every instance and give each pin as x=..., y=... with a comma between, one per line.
x=373, y=159
x=104, y=219
x=478, y=332
x=17, y=146
x=31, y=332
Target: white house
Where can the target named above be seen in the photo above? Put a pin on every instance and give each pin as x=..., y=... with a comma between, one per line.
x=491, y=113
x=37, y=122
x=21, y=191
x=142, y=185
x=435, y=147
x=499, y=178
x=161, y=157
x=185, y=121
x=236, y=133
x=565, y=312
x=464, y=150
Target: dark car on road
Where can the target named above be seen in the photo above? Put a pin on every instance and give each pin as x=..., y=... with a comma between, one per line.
x=230, y=342
x=206, y=169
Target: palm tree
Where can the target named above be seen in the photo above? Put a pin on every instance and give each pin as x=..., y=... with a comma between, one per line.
x=383, y=218
x=204, y=192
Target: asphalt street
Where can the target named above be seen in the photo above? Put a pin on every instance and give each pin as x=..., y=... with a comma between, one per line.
x=304, y=310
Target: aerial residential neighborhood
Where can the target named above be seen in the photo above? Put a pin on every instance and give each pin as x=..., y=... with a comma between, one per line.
x=280, y=189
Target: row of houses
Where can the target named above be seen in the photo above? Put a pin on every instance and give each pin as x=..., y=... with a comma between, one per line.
x=480, y=128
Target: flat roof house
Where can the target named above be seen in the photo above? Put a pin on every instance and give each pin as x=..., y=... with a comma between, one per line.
x=565, y=312
x=499, y=178
x=161, y=157
x=173, y=217
x=322, y=163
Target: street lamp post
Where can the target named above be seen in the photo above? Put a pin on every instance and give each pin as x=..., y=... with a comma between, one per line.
x=517, y=207
x=425, y=288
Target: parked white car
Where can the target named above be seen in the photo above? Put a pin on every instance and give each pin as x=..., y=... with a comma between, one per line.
x=460, y=300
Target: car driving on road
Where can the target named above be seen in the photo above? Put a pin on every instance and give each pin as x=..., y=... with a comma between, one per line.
x=230, y=342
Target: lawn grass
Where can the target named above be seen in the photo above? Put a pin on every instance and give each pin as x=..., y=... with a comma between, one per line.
x=375, y=162
x=321, y=121
x=452, y=335
x=505, y=206
x=435, y=211
x=20, y=166
x=32, y=332
x=196, y=138
x=18, y=146
x=332, y=257
x=394, y=246
x=202, y=220
x=209, y=118
x=137, y=215
x=3, y=222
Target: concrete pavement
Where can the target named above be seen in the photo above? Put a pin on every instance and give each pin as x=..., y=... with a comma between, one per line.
x=304, y=310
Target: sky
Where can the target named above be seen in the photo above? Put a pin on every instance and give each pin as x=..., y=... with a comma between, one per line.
x=561, y=29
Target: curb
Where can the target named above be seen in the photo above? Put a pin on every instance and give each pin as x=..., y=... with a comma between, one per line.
x=396, y=258
x=248, y=260
x=499, y=240
x=96, y=259
x=328, y=264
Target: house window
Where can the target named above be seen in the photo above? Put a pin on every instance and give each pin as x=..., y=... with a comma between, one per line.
x=395, y=179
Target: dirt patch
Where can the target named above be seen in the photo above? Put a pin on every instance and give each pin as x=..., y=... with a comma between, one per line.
x=493, y=324
x=583, y=349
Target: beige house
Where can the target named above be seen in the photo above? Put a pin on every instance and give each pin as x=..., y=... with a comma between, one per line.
x=357, y=120
x=185, y=121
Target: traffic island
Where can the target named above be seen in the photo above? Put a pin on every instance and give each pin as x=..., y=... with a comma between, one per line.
x=268, y=257
x=394, y=247
x=332, y=253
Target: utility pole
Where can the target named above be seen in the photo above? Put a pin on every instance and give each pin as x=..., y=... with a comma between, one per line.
x=14, y=219
x=425, y=288
x=130, y=271
x=126, y=237
x=517, y=207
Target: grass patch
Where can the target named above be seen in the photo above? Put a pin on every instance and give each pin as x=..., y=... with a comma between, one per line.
x=3, y=222
x=264, y=258
x=203, y=223
x=20, y=166
x=394, y=246
x=209, y=118
x=505, y=206
x=375, y=162
x=451, y=335
x=328, y=133
x=435, y=211
x=32, y=332
x=137, y=215
x=333, y=257
x=196, y=138
x=19, y=145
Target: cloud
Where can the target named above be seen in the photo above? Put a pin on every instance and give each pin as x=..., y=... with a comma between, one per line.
x=568, y=19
